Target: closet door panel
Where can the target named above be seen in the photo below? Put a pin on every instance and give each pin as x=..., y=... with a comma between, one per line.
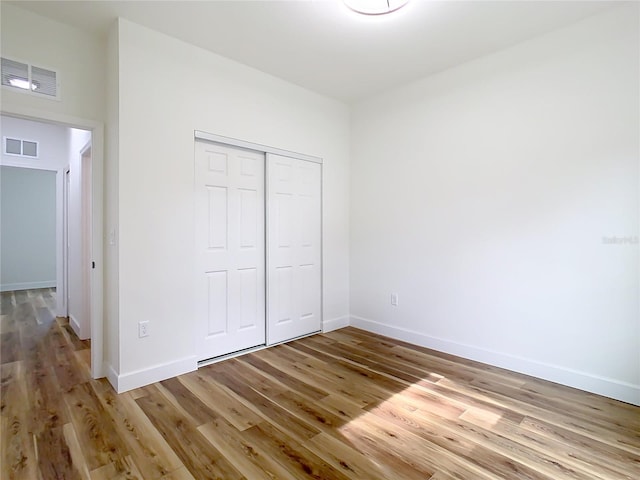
x=294, y=252
x=230, y=249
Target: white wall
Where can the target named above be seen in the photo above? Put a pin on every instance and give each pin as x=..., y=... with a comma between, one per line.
x=167, y=90
x=28, y=228
x=482, y=195
x=77, y=56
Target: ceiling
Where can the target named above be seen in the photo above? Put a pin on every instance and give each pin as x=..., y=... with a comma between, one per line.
x=325, y=47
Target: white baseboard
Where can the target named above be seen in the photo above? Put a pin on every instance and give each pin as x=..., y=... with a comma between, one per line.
x=12, y=287
x=75, y=325
x=607, y=387
x=100, y=371
x=61, y=311
x=335, y=323
x=139, y=378
x=112, y=376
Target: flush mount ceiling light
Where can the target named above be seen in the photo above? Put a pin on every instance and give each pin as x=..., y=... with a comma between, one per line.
x=375, y=7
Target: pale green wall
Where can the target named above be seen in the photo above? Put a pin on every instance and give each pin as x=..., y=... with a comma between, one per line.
x=27, y=228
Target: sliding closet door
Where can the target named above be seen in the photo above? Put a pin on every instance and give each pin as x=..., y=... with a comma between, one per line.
x=230, y=249
x=294, y=253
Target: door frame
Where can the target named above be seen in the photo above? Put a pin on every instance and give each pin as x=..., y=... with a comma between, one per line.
x=63, y=306
x=97, y=274
x=86, y=164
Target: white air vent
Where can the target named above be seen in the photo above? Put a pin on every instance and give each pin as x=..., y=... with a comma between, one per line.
x=25, y=77
x=20, y=148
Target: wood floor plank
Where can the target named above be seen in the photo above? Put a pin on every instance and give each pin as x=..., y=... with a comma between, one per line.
x=269, y=410
x=7, y=323
x=24, y=314
x=565, y=420
x=21, y=296
x=344, y=405
x=441, y=476
x=252, y=462
x=259, y=380
x=400, y=455
x=287, y=451
x=562, y=452
x=200, y=457
x=151, y=453
x=282, y=377
x=217, y=398
x=558, y=406
x=312, y=413
x=7, y=303
x=125, y=470
x=409, y=447
x=609, y=449
x=322, y=376
x=596, y=404
x=331, y=376
x=303, y=407
x=179, y=474
x=100, y=443
x=54, y=455
x=348, y=460
x=77, y=458
x=483, y=456
x=198, y=410
x=18, y=457
x=10, y=347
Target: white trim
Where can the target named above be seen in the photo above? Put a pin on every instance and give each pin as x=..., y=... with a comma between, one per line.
x=607, y=387
x=157, y=373
x=26, y=162
x=322, y=278
x=75, y=326
x=86, y=257
x=112, y=376
x=12, y=287
x=62, y=223
x=97, y=293
x=335, y=323
x=267, y=259
x=234, y=142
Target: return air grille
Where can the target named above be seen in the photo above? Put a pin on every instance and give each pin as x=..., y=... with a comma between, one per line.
x=26, y=77
x=21, y=148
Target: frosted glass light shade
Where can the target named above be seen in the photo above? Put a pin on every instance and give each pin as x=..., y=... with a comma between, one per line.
x=375, y=7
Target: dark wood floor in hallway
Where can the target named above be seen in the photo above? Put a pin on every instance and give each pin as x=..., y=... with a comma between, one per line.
x=343, y=405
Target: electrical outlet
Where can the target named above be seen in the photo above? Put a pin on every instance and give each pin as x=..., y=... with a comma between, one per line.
x=143, y=329
x=394, y=299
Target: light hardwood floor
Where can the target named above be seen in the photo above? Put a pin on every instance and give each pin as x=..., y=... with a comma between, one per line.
x=343, y=405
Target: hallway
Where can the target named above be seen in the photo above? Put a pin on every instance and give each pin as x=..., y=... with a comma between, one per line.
x=41, y=357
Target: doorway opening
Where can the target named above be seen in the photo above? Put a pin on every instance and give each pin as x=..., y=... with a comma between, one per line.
x=69, y=291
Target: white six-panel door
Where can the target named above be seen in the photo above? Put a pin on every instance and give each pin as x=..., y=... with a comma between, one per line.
x=230, y=249
x=294, y=255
